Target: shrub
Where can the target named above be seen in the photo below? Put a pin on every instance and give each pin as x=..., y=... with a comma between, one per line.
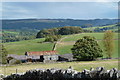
x=14, y=61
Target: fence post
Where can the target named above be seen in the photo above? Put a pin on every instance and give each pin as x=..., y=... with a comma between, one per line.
x=16, y=71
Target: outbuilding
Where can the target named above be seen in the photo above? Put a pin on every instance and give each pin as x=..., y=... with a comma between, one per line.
x=42, y=56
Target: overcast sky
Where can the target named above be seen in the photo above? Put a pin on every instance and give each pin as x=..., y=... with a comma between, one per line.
x=59, y=10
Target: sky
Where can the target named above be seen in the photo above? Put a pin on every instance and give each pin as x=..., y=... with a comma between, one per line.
x=59, y=10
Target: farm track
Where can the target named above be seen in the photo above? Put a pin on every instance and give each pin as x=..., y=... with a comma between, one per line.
x=61, y=42
x=58, y=42
x=73, y=42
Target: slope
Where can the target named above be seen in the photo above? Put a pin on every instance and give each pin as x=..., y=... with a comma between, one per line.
x=21, y=47
x=66, y=44
x=63, y=46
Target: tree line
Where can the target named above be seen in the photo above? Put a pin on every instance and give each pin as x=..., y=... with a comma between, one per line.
x=18, y=35
x=67, y=30
x=54, y=34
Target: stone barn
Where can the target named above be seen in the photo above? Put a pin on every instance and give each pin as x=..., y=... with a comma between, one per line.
x=66, y=57
x=22, y=58
x=42, y=56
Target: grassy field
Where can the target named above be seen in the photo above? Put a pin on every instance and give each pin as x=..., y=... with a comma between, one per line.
x=29, y=45
x=113, y=27
x=11, y=32
x=79, y=66
x=63, y=46
x=67, y=43
x=78, y=36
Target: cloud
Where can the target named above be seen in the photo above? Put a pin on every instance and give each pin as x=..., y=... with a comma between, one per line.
x=107, y=0
x=15, y=11
x=60, y=0
x=77, y=10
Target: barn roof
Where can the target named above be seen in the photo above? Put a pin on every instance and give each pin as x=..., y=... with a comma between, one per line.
x=42, y=53
x=23, y=57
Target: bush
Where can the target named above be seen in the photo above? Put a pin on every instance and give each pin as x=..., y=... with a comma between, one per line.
x=52, y=38
x=14, y=61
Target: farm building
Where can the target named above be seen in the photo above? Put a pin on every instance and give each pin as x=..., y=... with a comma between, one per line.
x=42, y=56
x=66, y=57
x=17, y=57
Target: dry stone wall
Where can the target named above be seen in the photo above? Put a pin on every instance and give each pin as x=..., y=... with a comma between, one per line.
x=100, y=73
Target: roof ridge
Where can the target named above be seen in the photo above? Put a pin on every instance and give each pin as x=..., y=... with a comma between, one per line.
x=42, y=53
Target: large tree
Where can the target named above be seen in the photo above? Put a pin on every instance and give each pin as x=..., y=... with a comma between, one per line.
x=108, y=42
x=86, y=48
x=3, y=55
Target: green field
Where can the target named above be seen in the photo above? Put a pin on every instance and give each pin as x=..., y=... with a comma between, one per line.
x=29, y=45
x=78, y=36
x=11, y=32
x=113, y=27
x=79, y=66
x=63, y=46
x=68, y=42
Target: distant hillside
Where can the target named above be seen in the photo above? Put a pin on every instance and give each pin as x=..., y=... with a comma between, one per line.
x=113, y=27
x=50, y=23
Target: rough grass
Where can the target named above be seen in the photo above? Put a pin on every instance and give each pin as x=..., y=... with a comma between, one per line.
x=79, y=66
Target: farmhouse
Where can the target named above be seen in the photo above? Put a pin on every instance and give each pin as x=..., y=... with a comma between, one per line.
x=42, y=56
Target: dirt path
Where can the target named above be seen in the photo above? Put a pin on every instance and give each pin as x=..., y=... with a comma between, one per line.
x=61, y=42
x=58, y=42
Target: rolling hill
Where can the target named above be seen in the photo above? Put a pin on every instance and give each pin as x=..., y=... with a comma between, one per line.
x=50, y=23
x=113, y=27
x=63, y=46
x=26, y=29
x=66, y=44
x=21, y=47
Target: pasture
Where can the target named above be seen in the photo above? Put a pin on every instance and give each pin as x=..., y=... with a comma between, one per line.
x=79, y=66
x=67, y=43
x=63, y=46
x=21, y=47
x=10, y=32
x=109, y=27
x=75, y=37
